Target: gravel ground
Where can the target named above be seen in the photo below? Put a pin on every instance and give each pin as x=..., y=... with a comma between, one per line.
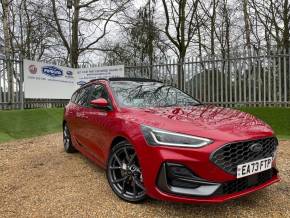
x=38, y=179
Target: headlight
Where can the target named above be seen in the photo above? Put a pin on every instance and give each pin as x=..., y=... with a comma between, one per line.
x=156, y=136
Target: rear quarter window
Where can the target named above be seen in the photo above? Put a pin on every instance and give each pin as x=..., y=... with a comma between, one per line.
x=74, y=97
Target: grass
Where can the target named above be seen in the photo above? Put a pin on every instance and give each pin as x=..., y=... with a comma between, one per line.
x=30, y=123
x=277, y=118
x=17, y=124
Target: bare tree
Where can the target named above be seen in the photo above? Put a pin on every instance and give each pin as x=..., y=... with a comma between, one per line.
x=141, y=41
x=180, y=27
x=211, y=12
x=89, y=24
x=247, y=24
x=31, y=37
x=223, y=29
x=7, y=47
x=274, y=15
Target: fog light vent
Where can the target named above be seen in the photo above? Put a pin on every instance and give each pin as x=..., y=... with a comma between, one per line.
x=180, y=171
x=178, y=179
x=180, y=176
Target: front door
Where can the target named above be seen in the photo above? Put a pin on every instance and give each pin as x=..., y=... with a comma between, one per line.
x=98, y=122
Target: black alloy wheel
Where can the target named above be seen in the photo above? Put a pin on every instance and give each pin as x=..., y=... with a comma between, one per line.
x=124, y=173
x=68, y=146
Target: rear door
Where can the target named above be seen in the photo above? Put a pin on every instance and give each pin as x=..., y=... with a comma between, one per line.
x=70, y=112
x=80, y=114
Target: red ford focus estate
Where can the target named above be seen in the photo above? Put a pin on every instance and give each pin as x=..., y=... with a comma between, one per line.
x=155, y=140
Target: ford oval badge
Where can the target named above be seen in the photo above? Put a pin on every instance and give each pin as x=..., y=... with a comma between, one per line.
x=81, y=83
x=257, y=147
x=52, y=71
x=69, y=73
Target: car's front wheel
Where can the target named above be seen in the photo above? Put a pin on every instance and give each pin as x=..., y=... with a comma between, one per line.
x=124, y=173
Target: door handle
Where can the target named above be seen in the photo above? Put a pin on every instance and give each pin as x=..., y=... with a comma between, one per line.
x=81, y=115
x=84, y=117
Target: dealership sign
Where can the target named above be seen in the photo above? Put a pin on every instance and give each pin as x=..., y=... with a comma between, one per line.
x=56, y=82
x=84, y=75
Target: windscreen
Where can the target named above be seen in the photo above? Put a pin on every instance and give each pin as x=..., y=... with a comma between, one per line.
x=149, y=94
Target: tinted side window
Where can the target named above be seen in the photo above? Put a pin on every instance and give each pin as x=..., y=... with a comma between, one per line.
x=99, y=91
x=83, y=96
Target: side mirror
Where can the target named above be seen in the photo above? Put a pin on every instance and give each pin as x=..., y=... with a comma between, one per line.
x=100, y=103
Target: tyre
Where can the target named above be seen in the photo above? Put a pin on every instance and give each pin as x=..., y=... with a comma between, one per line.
x=68, y=146
x=124, y=173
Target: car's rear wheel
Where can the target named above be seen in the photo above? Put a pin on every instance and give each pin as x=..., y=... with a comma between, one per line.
x=68, y=146
x=124, y=173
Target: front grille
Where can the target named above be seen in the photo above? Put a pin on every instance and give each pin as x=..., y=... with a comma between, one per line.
x=246, y=183
x=230, y=156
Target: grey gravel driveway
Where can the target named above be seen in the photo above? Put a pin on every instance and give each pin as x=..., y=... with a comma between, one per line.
x=38, y=179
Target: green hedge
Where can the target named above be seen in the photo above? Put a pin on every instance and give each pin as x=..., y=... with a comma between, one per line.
x=29, y=123
x=19, y=124
x=277, y=118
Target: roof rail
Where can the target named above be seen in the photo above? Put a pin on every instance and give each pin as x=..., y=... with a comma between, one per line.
x=133, y=79
x=93, y=80
x=125, y=79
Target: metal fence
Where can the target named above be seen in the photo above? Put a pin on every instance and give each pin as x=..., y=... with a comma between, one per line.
x=247, y=79
x=11, y=84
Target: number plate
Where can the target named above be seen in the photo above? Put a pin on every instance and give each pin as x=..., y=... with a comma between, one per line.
x=254, y=167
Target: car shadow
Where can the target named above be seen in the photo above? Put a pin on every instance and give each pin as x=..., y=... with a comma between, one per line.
x=211, y=210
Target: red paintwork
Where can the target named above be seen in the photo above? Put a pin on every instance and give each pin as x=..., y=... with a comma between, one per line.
x=95, y=130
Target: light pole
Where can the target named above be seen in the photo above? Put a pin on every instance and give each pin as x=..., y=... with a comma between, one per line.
x=69, y=4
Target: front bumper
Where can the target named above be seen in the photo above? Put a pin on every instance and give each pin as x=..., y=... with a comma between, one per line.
x=213, y=199
x=212, y=180
x=171, y=181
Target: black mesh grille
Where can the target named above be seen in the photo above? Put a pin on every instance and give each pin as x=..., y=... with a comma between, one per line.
x=230, y=156
x=245, y=183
